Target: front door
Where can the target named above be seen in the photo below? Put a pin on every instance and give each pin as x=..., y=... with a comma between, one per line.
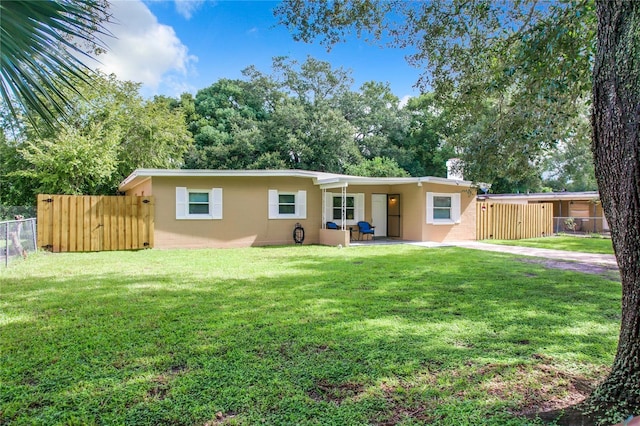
x=393, y=215
x=379, y=214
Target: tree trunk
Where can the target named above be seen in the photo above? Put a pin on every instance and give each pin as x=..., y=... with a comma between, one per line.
x=616, y=146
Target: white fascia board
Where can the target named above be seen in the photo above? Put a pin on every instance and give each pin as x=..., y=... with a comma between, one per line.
x=445, y=181
x=363, y=180
x=327, y=180
x=126, y=183
x=320, y=178
x=382, y=181
x=131, y=182
x=344, y=180
x=545, y=196
x=333, y=185
x=135, y=178
x=214, y=173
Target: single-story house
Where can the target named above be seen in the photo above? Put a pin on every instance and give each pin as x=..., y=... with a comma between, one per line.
x=241, y=208
x=572, y=211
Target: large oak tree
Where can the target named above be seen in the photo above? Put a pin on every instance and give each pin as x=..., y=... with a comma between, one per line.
x=616, y=148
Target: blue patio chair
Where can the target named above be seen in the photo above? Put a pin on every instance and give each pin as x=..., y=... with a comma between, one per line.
x=365, y=228
x=333, y=225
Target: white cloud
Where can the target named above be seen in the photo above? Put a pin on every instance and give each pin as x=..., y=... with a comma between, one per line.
x=404, y=101
x=143, y=50
x=187, y=7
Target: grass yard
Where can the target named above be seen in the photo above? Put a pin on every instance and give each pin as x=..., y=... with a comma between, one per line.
x=599, y=245
x=298, y=335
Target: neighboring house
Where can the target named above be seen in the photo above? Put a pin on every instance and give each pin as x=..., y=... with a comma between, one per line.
x=241, y=208
x=572, y=211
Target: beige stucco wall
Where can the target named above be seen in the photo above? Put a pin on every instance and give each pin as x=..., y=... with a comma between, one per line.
x=141, y=190
x=245, y=219
x=406, y=192
x=334, y=237
x=466, y=229
x=413, y=206
x=412, y=211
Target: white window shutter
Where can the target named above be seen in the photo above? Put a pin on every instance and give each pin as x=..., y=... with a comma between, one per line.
x=359, y=207
x=273, y=204
x=182, y=202
x=328, y=207
x=215, y=203
x=301, y=205
x=429, y=207
x=455, y=208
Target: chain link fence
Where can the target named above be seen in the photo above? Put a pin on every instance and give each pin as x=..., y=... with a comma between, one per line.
x=10, y=212
x=581, y=225
x=17, y=238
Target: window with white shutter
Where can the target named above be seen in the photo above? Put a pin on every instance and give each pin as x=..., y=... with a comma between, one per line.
x=287, y=205
x=443, y=209
x=198, y=203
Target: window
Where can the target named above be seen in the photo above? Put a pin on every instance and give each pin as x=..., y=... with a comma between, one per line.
x=198, y=203
x=287, y=205
x=350, y=210
x=443, y=209
x=354, y=208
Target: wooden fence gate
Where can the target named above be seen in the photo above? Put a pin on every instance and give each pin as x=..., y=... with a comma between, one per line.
x=69, y=223
x=513, y=221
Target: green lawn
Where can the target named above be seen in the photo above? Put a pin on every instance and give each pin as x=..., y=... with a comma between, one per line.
x=297, y=335
x=563, y=242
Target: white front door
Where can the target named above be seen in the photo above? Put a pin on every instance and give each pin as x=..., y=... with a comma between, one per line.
x=379, y=214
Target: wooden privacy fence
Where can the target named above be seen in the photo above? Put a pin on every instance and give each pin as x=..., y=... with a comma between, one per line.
x=94, y=223
x=513, y=221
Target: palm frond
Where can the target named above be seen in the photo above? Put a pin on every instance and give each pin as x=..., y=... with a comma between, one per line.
x=40, y=55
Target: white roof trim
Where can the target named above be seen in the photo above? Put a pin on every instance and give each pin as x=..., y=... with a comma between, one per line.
x=319, y=178
x=135, y=178
x=543, y=196
x=445, y=181
x=334, y=185
x=363, y=180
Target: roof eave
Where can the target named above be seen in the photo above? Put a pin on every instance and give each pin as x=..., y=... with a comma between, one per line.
x=445, y=181
x=134, y=178
x=139, y=176
x=547, y=196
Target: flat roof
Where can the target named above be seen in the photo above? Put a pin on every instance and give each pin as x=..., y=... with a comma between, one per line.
x=543, y=196
x=322, y=179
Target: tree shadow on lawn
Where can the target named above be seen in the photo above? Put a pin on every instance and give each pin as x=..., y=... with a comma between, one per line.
x=357, y=337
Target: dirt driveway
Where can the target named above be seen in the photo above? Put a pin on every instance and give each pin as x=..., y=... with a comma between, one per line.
x=590, y=263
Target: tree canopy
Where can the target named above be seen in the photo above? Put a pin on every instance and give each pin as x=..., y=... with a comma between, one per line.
x=488, y=65
x=110, y=132
x=306, y=116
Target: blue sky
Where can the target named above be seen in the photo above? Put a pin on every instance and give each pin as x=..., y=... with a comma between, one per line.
x=186, y=45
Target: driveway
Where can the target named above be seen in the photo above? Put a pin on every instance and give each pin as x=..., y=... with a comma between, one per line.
x=607, y=260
